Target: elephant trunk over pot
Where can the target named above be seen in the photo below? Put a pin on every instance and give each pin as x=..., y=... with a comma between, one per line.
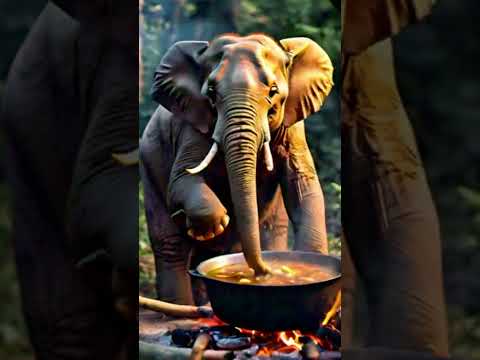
x=240, y=141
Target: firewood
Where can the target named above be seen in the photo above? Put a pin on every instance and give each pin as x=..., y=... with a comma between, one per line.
x=330, y=355
x=159, y=352
x=186, y=311
x=310, y=351
x=199, y=346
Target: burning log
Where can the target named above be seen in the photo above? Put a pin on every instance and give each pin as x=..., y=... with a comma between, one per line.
x=159, y=352
x=330, y=334
x=184, y=338
x=222, y=337
x=310, y=351
x=199, y=346
x=233, y=343
x=179, y=335
x=279, y=355
x=185, y=311
x=330, y=355
x=247, y=354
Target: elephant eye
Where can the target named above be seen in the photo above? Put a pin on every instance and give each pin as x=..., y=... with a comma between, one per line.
x=273, y=91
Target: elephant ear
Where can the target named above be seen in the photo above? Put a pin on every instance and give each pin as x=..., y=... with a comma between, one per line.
x=310, y=78
x=178, y=81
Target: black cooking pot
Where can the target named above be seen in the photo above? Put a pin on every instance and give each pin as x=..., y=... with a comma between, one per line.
x=272, y=307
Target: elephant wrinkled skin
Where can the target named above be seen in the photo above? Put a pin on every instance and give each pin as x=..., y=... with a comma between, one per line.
x=228, y=142
x=71, y=100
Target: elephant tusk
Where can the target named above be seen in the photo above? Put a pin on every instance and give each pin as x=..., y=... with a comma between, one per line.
x=128, y=158
x=268, y=155
x=205, y=162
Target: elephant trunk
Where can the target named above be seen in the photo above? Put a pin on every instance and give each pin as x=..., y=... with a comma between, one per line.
x=240, y=142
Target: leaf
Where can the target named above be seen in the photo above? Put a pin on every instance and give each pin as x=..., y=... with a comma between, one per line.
x=309, y=30
x=472, y=197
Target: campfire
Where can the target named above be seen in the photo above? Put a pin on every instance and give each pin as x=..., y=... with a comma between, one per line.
x=213, y=339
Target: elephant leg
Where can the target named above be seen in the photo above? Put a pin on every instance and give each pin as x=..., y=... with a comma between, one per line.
x=354, y=314
x=66, y=317
x=201, y=253
x=303, y=194
x=102, y=209
x=171, y=250
x=102, y=212
x=274, y=225
x=397, y=251
x=114, y=231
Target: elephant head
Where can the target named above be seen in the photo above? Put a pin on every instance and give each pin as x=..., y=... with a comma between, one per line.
x=238, y=90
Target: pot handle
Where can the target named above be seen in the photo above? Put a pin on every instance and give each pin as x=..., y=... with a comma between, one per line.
x=195, y=273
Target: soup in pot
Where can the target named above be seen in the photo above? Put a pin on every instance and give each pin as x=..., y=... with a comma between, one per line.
x=283, y=273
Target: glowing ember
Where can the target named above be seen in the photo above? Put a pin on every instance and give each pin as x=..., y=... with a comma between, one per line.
x=213, y=321
x=290, y=341
x=283, y=341
x=293, y=340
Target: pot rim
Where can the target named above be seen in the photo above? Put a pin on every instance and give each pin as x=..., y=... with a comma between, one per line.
x=202, y=274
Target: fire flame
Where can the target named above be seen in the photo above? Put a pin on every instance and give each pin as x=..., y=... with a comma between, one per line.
x=331, y=313
x=292, y=340
x=282, y=341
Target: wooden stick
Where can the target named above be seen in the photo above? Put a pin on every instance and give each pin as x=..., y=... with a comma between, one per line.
x=199, y=346
x=149, y=351
x=330, y=355
x=174, y=309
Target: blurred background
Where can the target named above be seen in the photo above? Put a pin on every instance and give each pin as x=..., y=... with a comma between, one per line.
x=437, y=72
x=16, y=18
x=168, y=21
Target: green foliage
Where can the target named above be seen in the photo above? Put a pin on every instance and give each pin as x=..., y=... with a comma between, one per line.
x=463, y=314
x=143, y=242
x=146, y=261
x=291, y=18
x=13, y=340
x=443, y=108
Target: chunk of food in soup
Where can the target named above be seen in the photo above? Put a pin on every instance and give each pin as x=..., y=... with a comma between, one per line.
x=283, y=273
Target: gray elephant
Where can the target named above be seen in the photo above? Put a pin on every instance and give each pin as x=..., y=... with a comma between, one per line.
x=228, y=142
x=71, y=104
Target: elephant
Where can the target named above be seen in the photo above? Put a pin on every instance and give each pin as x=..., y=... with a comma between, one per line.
x=69, y=118
x=224, y=159
x=392, y=247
